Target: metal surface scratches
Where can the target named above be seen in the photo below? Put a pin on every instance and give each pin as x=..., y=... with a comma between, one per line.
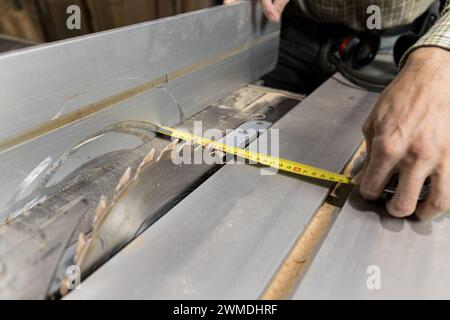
x=160, y=72
x=115, y=185
x=213, y=244
x=40, y=249
x=37, y=181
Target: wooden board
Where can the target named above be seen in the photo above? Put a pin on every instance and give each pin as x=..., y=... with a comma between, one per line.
x=108, y=14
x=20, y=19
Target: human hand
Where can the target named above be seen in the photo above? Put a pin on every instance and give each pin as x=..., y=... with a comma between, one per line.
x=272, y=8
x=408, y=132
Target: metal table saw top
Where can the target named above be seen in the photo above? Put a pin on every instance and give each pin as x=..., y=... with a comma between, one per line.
x=227, y=231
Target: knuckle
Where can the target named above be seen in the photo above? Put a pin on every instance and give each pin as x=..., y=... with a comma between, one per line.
x=439, y=205
x=386, y=147
x=421, y=151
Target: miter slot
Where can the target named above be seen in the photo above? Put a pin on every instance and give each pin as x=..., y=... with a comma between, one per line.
x=100, y=176
x=228, y=238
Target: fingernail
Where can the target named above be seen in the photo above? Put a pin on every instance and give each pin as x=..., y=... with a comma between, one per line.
x=398, y=210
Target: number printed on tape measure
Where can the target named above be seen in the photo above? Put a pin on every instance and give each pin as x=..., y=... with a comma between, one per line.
x=264, y=159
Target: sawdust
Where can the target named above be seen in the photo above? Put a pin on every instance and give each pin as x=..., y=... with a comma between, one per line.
x=298, y=260
x=295, y=265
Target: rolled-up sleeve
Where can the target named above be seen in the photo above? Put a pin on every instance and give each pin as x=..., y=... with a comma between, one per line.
x=437, y=36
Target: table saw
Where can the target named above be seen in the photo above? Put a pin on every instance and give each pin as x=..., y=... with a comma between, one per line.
x=93, y=207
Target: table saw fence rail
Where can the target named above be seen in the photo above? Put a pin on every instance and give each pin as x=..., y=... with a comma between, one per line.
x=55, y=95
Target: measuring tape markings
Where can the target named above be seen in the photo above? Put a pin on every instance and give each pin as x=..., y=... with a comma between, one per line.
x=264, y=159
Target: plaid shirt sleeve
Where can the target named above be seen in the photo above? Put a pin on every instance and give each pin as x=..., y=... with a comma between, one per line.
x=437, y=36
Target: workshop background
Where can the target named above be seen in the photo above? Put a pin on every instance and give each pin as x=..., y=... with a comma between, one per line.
x=40, y=21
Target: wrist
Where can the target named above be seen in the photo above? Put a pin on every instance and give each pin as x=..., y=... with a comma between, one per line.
x=428, y=54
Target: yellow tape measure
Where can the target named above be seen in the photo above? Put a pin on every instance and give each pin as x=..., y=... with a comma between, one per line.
x=264, y=159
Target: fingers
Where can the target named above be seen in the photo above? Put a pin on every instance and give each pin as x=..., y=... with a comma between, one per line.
x=404, y=201
x=383, y=158
x=357, y=178
x=368, y=136
x=269, y=10
x=368, y=132
x=279, y=6
x=438, y=200
x=273, y=10
x=415, y=166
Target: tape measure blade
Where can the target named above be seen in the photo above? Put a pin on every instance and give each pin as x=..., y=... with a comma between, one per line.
x=274, y=162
